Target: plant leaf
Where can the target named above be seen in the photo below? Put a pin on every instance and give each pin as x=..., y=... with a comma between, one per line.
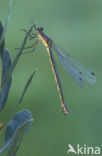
x=15, y=131
x=2, y=44
x=1, y=29
x=6, y=23
x=23, y=93
x=6, y=63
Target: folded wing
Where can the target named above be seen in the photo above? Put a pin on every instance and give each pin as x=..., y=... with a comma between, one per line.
x=78, y=71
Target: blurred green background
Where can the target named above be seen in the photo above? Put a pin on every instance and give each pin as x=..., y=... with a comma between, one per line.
x=76, y=26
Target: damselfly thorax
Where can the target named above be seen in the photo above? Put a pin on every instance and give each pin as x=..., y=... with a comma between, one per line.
x=46, y=41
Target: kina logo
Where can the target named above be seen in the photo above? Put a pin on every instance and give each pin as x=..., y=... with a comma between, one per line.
x=84, y=150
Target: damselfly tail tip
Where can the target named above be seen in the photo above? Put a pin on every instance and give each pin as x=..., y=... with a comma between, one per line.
x=65, y=109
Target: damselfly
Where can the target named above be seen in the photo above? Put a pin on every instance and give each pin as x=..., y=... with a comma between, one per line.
x=78, y=71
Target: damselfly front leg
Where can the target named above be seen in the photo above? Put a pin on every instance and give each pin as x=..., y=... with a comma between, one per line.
x=23, y=29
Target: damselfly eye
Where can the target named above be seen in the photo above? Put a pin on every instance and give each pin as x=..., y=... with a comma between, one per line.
x=40, y=29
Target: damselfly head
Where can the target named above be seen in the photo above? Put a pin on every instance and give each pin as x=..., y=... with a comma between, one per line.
x=39, y=29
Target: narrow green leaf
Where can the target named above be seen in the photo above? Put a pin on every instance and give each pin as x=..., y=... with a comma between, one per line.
x=23, y=93
x=6, y=23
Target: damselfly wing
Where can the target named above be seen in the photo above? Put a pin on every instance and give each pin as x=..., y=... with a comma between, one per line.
x=78, y=71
